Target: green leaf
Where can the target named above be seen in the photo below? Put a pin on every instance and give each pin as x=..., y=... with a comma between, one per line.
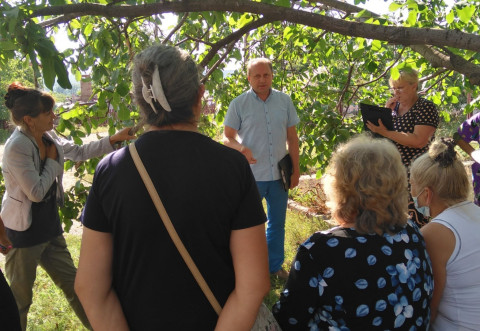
x=75, y=24
x=115, y=100
x=61, y=125
x=465, y=14
x=359, y=53
x=123, y=112
x=412, y=17
x=413, y=5
x=394, y=6
x=77, y=140
x=69, y=125
x=48, y=71
x=376, y=45
x=395, y=73
x=287, y=33
x=445, y=115
x=468, y=109
x=7, y=46
x=372, y=66
x=450, y=17
x=123, y=89
x=245, y=19
x=62, y=74
x=88, y=30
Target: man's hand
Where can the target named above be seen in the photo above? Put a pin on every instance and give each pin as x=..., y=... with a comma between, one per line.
x=248, y=154
x=294, y=179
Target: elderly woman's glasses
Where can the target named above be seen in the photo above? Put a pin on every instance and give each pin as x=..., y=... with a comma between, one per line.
x=397, y=89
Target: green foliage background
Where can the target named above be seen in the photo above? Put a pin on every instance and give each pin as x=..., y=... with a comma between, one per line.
x=327, y=74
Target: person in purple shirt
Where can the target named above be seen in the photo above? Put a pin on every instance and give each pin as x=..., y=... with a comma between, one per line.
x=467, y=132
x=264, y=119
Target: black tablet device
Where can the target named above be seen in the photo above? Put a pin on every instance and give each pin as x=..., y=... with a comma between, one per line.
x=372, y=113
x=286, y=168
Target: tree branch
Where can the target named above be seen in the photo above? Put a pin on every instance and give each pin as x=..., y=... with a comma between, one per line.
x=176, y=28
x=233, y=37
x=339, y=105
x=437, y=59
x=391, y=34
x=215, y=66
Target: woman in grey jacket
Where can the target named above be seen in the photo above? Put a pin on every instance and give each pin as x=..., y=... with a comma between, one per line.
x=32, y=167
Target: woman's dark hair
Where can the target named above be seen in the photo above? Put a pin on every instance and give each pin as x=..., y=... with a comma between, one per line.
x=23, y=101
x=180, y=83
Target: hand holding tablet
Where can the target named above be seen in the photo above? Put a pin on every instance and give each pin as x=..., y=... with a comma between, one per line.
x=372, y=113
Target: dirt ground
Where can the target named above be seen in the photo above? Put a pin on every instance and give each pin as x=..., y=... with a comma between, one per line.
x=309, y=196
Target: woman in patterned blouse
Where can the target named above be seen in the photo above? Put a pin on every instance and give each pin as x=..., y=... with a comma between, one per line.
x=371, y=272
x=414, y=123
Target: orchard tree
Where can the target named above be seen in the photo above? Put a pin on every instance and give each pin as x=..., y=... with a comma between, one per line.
x=328, y=55
x=11, y=71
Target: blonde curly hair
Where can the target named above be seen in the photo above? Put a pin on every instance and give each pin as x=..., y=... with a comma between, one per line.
x=366, y=182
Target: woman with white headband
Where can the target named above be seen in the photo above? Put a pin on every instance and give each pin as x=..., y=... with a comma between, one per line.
x=131, y=275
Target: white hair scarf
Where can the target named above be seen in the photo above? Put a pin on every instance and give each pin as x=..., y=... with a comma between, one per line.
x=155, y=92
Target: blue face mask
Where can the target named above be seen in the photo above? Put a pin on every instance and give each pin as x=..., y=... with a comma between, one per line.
x=425, y=210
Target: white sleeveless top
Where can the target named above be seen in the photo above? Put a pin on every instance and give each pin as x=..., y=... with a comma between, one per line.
x=459, y=308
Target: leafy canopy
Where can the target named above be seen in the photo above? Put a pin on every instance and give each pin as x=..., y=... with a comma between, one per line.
x=328, y=55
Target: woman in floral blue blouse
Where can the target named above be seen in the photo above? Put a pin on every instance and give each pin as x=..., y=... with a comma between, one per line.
x=372, y=271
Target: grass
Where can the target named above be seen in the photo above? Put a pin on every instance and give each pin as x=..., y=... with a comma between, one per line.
x=50, y=310
x=298, y=228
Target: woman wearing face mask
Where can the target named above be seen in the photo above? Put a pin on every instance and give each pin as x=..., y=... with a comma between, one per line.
x=440, y=188
x=414, y=123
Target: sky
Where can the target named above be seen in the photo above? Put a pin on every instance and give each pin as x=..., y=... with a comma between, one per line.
x=375, y=6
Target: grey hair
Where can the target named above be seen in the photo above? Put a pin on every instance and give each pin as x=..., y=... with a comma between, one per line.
x=367, y=182
x=180, y=82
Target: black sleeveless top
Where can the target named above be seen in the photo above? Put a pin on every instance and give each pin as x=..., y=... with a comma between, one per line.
x=45, y=221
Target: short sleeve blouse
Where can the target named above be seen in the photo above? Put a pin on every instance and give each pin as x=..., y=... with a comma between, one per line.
x=423, y=112
x=344, y=280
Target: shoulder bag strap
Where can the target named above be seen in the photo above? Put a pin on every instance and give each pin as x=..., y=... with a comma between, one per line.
x=171, y=229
